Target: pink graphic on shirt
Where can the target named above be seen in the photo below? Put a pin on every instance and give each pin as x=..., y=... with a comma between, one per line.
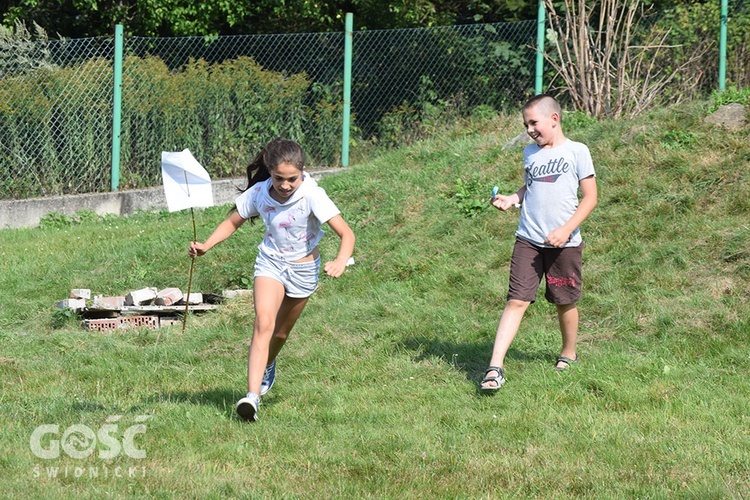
x=269, y=208
x=286, y=224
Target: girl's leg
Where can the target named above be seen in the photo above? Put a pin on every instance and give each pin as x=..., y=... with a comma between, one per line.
x=507, y=329
x=567, y=316
x=289, y=313
x=268, y=295
x=275, y=316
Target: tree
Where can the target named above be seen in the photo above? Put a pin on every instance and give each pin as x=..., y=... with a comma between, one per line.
x=609, y=66
x=21, y=51
x=88, y=18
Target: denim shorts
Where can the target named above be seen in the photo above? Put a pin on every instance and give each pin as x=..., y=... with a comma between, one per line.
x=299, y=279
x=561, y=268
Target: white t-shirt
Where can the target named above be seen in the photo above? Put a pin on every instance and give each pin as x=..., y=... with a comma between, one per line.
x=552, y=179
x=293, y=228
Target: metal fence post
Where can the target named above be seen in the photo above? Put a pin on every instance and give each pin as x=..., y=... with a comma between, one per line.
x=117, y=108
x=348, y=29
x=540, y=18
x=723, y=46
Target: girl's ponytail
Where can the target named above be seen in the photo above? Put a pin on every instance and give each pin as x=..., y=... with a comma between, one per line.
x=257, y=171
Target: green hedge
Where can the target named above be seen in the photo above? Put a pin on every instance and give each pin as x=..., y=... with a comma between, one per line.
x=56, y=124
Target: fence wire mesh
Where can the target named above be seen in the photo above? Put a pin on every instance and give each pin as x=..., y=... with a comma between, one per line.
x=56, y=118
x=403, y=77
x=224, y=98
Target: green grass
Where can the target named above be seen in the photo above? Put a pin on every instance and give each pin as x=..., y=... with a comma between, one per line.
x=376, y=395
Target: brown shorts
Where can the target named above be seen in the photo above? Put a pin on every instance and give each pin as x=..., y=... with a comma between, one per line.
x=560, y=266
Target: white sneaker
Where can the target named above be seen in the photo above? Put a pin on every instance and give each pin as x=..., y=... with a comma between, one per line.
x=269, y=377
x=247, y=407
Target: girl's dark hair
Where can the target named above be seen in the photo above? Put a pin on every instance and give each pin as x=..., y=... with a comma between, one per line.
x=275, y=153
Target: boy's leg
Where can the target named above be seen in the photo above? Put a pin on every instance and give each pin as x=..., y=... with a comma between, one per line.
x=507, y=329
x=525, y=275
x=563, y=273
x=567, y=316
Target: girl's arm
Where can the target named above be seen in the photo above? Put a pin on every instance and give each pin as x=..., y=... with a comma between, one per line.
x=337, y=267
x=222, y=232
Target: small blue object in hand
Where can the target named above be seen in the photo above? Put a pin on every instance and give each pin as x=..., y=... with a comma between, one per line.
x=494, y=192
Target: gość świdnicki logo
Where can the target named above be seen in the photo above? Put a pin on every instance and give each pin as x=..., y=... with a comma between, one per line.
x=80, y=441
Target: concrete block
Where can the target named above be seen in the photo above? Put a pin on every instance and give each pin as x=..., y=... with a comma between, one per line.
x=140, y=297
x=74, y=304
x=233, y=294
x=27, y=213
x=168, y=296
x=80, y=293
x=193, y=298
x=169, y=321
x=108, y=302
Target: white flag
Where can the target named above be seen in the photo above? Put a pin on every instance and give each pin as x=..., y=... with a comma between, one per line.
x=186, y=182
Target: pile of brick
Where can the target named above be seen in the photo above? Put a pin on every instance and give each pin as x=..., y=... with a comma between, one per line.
x=147, y=307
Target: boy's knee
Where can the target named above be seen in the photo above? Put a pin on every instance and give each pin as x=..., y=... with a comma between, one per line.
x=517, y=304
x=566, y=307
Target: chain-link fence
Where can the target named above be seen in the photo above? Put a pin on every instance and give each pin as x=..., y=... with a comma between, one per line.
x=404, y=77
x=224, y=98
x=56, y=118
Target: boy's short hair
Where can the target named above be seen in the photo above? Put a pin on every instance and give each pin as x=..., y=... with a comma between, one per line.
x=548, y=102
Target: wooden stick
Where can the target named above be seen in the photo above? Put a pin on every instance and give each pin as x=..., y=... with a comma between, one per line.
x=192, y=262
x=190, y=279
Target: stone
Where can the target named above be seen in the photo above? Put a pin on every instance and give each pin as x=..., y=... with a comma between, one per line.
x=80, y=293
x=140, y=297
x=168, y=296
x=108, y=302
x=74, y=304
x=193, y=298
x=731, y=116
x=233, y=294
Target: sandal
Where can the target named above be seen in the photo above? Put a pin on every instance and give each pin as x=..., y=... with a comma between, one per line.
x=499, y=379
x=567, y=361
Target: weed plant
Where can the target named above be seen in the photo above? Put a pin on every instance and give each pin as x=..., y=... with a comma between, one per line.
x=377, y=389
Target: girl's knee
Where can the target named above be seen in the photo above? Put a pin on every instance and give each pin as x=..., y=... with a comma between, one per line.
x=264, y=325
x=281, y=335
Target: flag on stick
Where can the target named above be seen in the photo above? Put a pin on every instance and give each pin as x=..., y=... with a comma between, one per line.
x=186, y=185
x=186, y=182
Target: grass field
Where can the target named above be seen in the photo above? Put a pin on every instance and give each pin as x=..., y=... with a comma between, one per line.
x=377, y=388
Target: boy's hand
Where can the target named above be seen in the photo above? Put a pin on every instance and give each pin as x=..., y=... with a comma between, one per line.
x=505, y=202
x=558, y=238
